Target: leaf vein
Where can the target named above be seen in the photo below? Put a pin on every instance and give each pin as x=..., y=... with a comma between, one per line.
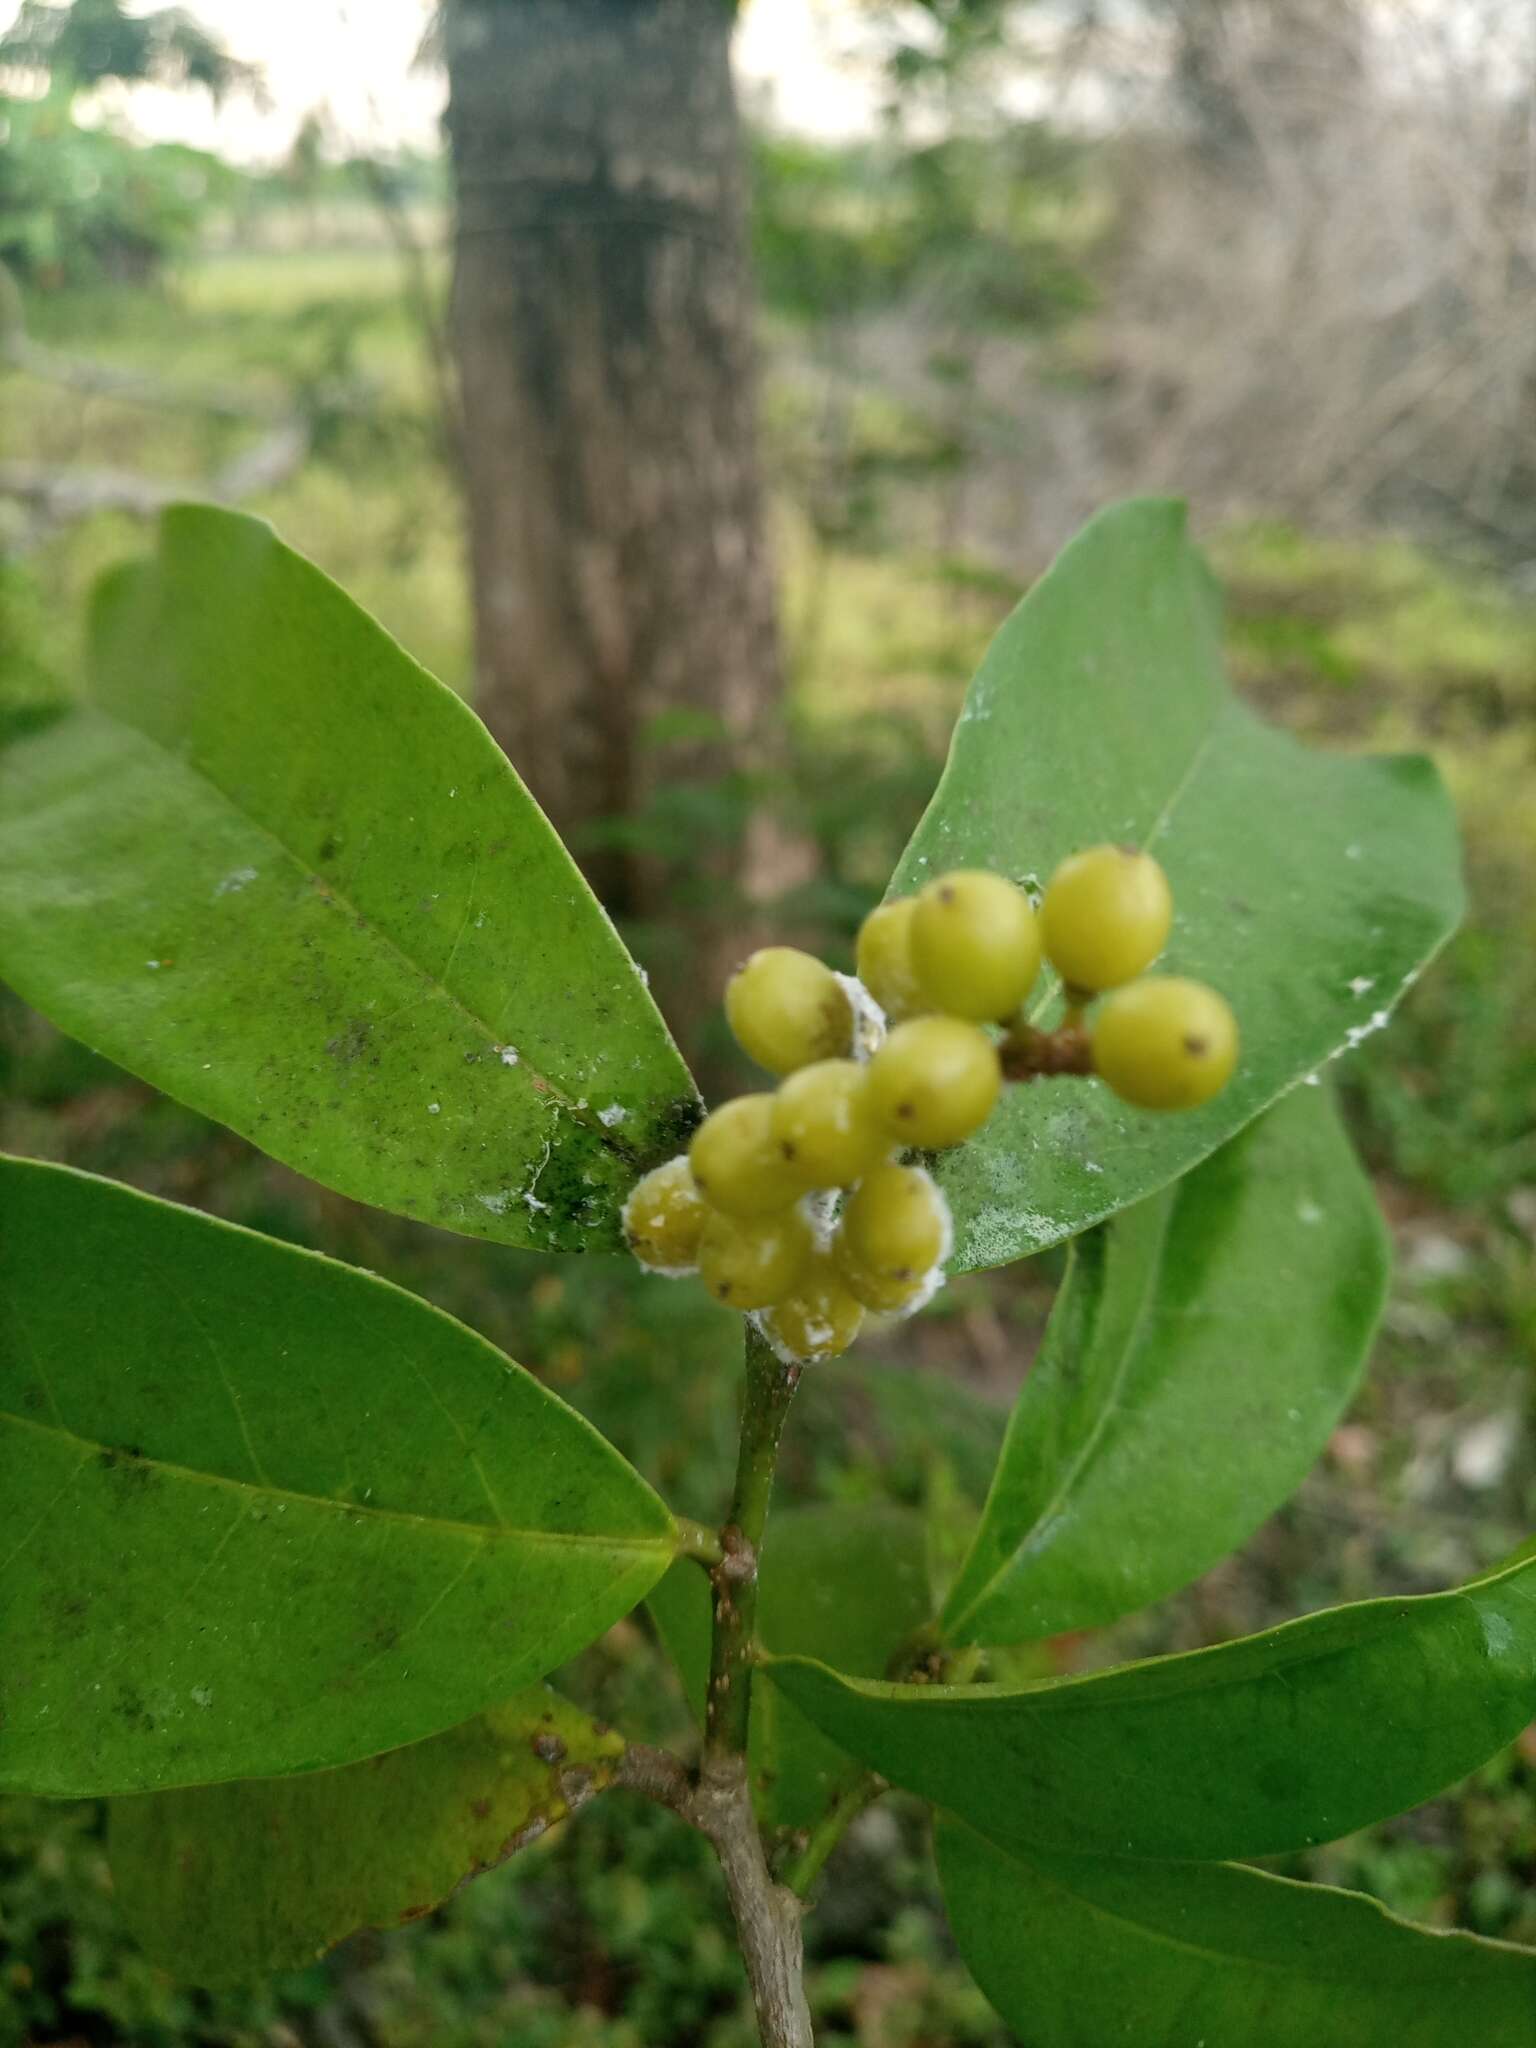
x=360, y=1510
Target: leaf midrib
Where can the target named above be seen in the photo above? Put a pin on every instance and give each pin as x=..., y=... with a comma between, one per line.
x=1159, y=825
x=1196, y=1675
x=1091, y=1442
x=524, y=1071
x=485, y=1532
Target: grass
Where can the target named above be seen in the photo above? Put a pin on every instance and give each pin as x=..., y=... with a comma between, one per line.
x=612, y=1934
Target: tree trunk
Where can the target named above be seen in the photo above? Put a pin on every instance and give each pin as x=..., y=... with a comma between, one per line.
x=603, y=326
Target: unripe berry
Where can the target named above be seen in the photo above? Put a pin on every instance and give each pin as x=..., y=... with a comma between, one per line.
x=934, y=1081
x=975, y=945
x=1165, y=1043
x=823, y=1124
x=1106, y=916
x=874, y=1292
x=736, y=1161
x=664, y=1218
x=819, y=1319
x=893, y=1231
x=883, y=960
x=751, y=1262
x=787, y=1009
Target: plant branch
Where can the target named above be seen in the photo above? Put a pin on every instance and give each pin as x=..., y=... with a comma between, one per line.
x=1027, y=1053
x=719, y=1801
x=767, y=1915
x=770, y=1386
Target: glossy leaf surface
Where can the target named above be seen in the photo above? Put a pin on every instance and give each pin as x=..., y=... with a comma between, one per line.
x=1077, y=1953
x=276, y=869
x=1199, y=1353
x=843, y=1579
x=1309, y=888
x=260, y=1512
x=221, y=1883
x=1271, y=1743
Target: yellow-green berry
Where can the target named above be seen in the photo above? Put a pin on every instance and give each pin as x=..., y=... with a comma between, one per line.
x=934, y=1081
x=751, y=1262
x=875, y=1292
x=664, y=1218
x=819, y=1319
x=787, y=1008
x=1164, y=1043
x=893, y=1231
x=736, y=1161
x=975, y=945
x=883, y=960
x=823, y=1124
x=1106, y=916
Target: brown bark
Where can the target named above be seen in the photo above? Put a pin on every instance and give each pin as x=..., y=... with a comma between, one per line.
x=602, y=319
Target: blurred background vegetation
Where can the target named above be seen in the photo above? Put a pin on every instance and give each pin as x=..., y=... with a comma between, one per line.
x=1281, y=257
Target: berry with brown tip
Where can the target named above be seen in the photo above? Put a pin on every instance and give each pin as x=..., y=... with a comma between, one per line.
x=787, y=1009
x=824, y=1126
x=736, y=1161
x=751, y=1262
x=820, y=1318
x=893, y=1232
x=975, y=945
x=1165, y=1043
x=934, y=1081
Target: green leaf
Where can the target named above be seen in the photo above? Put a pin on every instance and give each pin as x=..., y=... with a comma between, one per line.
x=221, y=1883
x=1075, y=1952
x=261, y=1513
x=1309, y=888
x=1200, y=1352
x=1271, y=1743
x=276, y=869
x=845, y=1580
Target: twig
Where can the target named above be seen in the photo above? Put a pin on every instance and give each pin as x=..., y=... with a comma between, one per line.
x=719, y=1802
x=769, y=1390
x=857, y=1793
x=60, y=495
x=422, y=306
x=767, y=1915
x=1026, y=1053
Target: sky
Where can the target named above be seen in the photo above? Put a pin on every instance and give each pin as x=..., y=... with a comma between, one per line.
x=356, y=56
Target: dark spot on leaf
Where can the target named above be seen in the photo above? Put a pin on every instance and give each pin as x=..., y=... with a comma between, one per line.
x=131, y=1709
x=350, y=1044
x=675, y=1125
x=480, y=1808
x=548, y=1747
x=330, y=846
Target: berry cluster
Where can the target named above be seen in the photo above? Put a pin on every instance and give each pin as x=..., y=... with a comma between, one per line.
x=795, y=1206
